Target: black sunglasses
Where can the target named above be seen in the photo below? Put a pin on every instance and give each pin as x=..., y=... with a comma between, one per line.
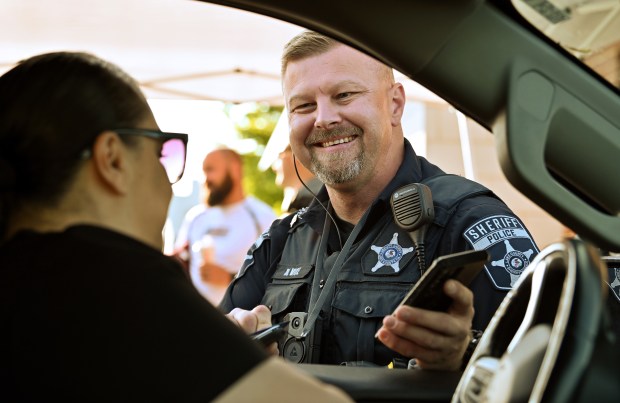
x=173, y=152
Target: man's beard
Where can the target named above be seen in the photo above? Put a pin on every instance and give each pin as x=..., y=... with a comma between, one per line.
x=217, y=194
x=335, y=168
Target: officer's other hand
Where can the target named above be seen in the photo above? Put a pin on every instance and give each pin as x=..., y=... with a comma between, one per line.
x=253, y=321
x=437, y=340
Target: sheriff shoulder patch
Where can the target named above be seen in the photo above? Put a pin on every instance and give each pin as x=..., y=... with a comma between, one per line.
x=510, y=245
x=249, y=258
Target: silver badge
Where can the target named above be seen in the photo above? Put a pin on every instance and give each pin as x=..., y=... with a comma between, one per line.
x=390, y=254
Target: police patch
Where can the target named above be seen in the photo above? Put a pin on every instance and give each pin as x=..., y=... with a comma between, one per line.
x=249, y=258
x=614, y=281
x=257, y=244
x=389, y=254
x=510, y=245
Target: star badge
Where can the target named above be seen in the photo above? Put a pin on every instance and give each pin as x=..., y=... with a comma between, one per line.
x=390, y=254
x=514, y=261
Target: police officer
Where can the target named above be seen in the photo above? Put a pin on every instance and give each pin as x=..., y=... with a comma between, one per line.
x=349, y=269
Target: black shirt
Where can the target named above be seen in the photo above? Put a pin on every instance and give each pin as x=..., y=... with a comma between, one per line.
x=92, y=315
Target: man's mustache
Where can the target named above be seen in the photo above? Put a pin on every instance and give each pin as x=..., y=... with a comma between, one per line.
x=322, y=135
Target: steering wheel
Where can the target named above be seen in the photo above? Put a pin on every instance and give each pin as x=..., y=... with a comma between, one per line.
x=550, y=339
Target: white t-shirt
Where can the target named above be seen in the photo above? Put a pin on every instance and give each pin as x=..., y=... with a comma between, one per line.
x=229, y=230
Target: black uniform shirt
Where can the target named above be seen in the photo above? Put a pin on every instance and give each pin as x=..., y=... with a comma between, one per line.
x=380, y=267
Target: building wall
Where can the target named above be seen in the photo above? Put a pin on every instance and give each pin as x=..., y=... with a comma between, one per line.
x=606, y=63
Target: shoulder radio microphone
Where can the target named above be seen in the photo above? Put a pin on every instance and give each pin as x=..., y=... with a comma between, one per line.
x=412, y=206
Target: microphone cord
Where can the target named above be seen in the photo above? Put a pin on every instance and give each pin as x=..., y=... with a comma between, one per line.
x=314, y=196
x=421, y=257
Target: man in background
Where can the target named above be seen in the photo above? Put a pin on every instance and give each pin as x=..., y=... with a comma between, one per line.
x=279, y=157
x=217, y=233
x=296, y=195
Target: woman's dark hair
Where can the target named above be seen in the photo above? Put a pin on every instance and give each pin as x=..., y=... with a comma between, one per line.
x=52, y=107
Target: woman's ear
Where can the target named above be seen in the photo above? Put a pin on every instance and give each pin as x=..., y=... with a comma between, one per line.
x=111, y=162
x=398, y=103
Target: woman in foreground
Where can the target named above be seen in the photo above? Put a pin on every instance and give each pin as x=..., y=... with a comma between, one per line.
x=90, y=309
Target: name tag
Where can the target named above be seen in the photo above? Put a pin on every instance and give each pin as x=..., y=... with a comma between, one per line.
x=285, y=272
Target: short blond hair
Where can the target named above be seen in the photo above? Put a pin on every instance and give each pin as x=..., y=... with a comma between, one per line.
x=310, y=43
x=305, y=44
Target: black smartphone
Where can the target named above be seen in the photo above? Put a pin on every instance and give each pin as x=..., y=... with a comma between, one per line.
x=428, y=293
x=270, y=334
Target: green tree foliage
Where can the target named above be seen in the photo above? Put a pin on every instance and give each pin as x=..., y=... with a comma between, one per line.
x=256, y=124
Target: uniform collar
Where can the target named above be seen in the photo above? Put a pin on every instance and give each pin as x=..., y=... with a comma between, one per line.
x=412, y=169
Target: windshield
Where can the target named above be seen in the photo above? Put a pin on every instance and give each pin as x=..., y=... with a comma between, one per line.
x=589, y=29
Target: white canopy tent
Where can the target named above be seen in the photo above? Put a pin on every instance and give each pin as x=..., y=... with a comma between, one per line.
x=174, y=48
x=177, y=49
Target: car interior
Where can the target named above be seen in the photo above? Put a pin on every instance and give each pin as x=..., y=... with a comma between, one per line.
x=557, y=132
x=524, y=70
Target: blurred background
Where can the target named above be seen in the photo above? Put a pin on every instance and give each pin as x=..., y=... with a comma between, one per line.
x=214, y=73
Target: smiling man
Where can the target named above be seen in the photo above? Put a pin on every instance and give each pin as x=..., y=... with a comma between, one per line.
x=340, y=276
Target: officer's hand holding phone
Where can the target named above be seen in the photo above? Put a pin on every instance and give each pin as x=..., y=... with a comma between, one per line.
x=428, y=293
x=433, y=322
